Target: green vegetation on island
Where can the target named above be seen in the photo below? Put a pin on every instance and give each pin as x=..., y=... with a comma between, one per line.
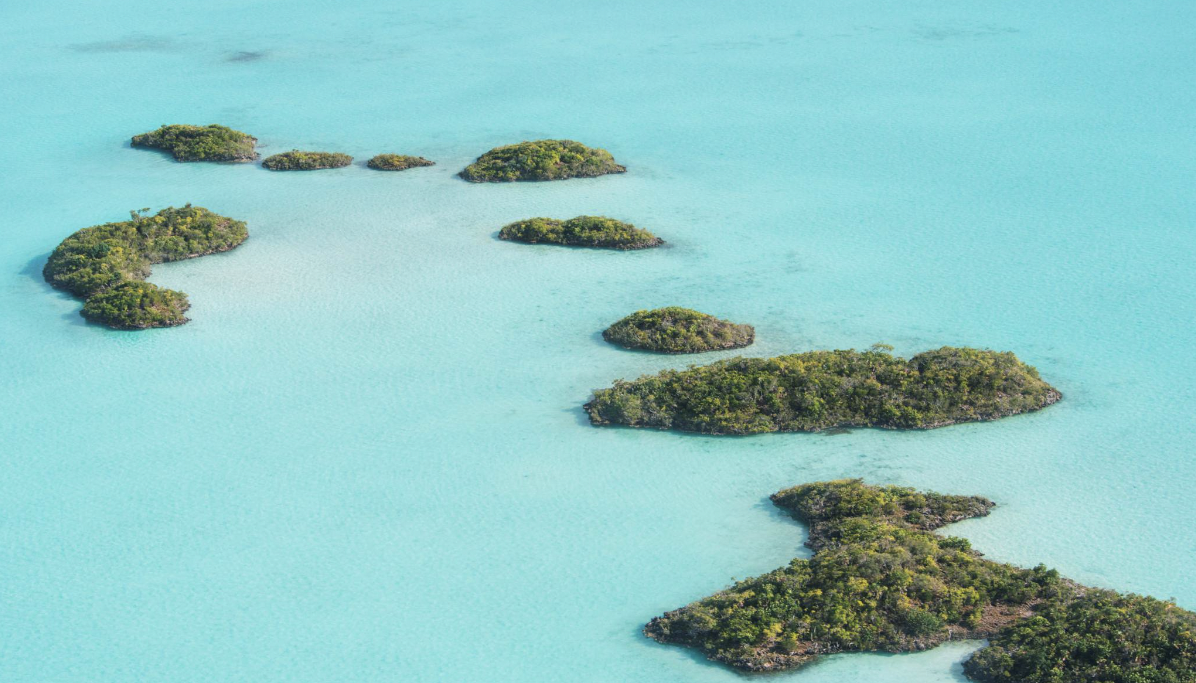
x=881, y=581
x=397, y=162
x=808, y=392
x=678, y=330
x=296, y=160
x=200, y=143
x=106, y=265
x=541, y=160
x=582, y=231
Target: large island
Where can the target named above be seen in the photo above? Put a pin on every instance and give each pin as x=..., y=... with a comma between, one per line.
x=106, y=265
x=880, y=580
x=200, y=143
x=809, y=392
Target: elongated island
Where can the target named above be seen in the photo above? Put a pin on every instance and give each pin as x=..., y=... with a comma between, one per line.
x=881, y=581
x=296, y=160
x=540, y=160
x=598, y=232
x=200, y=143
x=106, y=265
x=397, y=162
x=809, y=392
x=674, y=329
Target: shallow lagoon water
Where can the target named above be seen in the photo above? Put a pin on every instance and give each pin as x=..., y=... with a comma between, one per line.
x=365, y=459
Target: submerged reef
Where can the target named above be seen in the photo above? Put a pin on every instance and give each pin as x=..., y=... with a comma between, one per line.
x=296, y=160
x=106, y=265
x=809, y=392
x=582, y=231
x=397, y=162
x=678, y=330
x=881, y=581
x=541, y=160
x=200, y=143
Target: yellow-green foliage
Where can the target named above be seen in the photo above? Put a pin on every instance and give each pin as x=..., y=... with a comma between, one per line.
x=296, y=160
x=827, y=389
x=582, y=231
x=106, y=264
x=678, y=330
x=880, y=580
x=200, y=143
x=541, y=160
x=397, y=162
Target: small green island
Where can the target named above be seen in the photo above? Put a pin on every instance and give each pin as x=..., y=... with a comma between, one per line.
x=678, y=330
x=582, y=231
x=106, y=265
x=200, y=143
x=296, y=160
x=397, y=162
x=541, y=160
x=881, y=581
x=817, y=390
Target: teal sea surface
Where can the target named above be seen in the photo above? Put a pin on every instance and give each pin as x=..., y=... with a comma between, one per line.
x=365, y=460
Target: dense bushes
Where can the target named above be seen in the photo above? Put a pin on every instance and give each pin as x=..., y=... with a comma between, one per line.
x=678, y=330
x=879, y=580
x=582, y=231
x=105, y=264
x=825, y=389
x=397, y=162
x=200, y=143
x=296, y=160
x=540, y=160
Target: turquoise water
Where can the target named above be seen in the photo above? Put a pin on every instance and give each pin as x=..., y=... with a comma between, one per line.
x=365, y=459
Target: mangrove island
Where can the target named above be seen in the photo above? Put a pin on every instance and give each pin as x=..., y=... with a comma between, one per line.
x=880, y=581
x=809, y=392
x=296, y=160
x=541, y=160
x=397, y=162
x=106, y=265
x=582, y=231
x=200, y=143
x=678, y=330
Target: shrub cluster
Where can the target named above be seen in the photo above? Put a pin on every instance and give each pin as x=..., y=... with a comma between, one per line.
x=582, y=231
x=106, y=264
x=200, y=143
x=296, y=160
x=397, y=162
x=827, y=389
x=678, y=330
x=541, y=160
x=881, y=581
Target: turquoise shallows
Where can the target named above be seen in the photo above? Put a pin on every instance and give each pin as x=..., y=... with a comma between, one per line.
x=365, y=460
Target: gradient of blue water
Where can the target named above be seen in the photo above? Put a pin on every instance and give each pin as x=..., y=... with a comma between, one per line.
x=365, y=460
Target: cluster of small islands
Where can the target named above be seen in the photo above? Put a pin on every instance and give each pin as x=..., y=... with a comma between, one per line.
x=880, y=580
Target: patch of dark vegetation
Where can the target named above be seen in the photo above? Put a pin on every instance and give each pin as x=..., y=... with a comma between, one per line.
x=881, y=581
x=200, y=143
x=817, y=390
x=106, y=264
x=541, y=160
x=397, y=162
x=296, y=160
x=582, y=231
x=678, y=330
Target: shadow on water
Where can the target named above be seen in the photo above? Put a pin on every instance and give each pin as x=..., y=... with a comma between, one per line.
x=243, y=56
x=33, y=271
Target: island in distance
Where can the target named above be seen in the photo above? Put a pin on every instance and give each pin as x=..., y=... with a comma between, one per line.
x=200, y=143
x=296, y=160
x=106, y=265
x=817, y=390
x=678, y=330
x=397, y=162
x=582, y=231
x=541, y=160
x=881, y=581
